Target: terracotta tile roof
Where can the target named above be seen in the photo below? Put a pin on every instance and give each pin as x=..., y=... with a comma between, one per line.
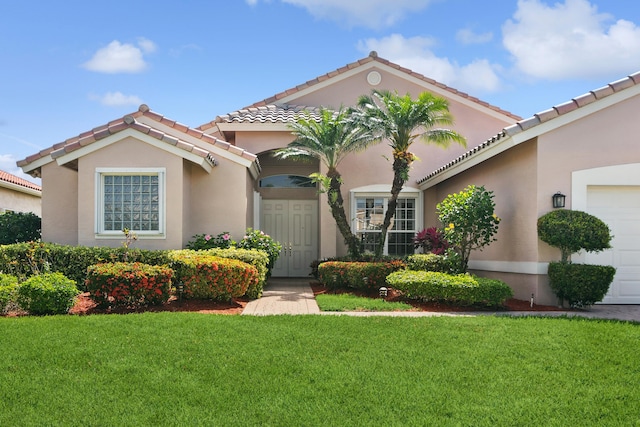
x=545, y=116
x=12, y=179
x=284, y=113
x=129, y=122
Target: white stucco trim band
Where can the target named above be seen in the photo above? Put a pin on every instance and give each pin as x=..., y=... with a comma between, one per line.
x=518, y=267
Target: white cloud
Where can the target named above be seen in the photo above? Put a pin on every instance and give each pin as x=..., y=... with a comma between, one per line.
x=415, y=53
x=116, y=99
x=367, y=13
x=117, y=57
x=467, y=36
x=8, y=164
x=570, y=40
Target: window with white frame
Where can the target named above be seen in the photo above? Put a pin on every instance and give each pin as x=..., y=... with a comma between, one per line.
x=368, y=214
x=130, y=198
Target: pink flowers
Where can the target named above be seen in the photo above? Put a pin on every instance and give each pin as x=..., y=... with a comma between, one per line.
x=225, y=236
x=207, y=237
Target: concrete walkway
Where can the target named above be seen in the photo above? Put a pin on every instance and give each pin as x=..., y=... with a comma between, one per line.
x=294, y=296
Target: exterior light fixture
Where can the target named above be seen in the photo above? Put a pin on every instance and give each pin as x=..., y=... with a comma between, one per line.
x=558, y=200
x=383, y=292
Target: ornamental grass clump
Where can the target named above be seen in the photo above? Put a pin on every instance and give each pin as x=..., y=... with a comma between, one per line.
x=48, y=293
x=122, y=284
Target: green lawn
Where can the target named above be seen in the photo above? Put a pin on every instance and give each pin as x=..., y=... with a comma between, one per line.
x=195, y=369
x=350, y=302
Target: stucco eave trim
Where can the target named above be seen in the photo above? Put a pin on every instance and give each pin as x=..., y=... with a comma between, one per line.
x=76, y=154
x=21, y=189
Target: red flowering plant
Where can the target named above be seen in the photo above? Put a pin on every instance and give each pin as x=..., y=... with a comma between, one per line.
x=431, y=240
x=122, y=284
x=210, y=277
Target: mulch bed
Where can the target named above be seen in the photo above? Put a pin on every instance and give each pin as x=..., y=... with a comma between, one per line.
x=511, y=304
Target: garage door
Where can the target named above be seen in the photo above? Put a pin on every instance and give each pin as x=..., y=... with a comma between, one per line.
x=619, y=207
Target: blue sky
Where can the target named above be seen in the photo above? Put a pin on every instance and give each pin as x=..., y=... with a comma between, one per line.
x=72, y=65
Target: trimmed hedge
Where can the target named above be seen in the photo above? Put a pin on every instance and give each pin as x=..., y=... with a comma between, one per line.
x=211, y=277
x=48, y=293
x=257, y=258
x=580, y=284
x=358, y=275
x=8, y=288
x=124, y=284
x=461, y=289
x=25, y=259
x=428, y=262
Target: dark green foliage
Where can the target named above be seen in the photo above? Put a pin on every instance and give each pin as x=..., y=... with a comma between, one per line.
x=258, y=240
x=357, y=275
x=580, y=284
x=428, y=262
x=8, y=287
x=48, y=293
x=18, y=227
x=572, y=231
x=460, y=289
x=207, y=241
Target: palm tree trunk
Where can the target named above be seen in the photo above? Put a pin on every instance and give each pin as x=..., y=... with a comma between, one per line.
x=400, y=170
x=336, y=202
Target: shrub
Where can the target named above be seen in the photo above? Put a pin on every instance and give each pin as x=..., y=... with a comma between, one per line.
x=431, y=240
x=258, y=240
x=18, y=227
x=210, y=277
x=258, y=259
x=580, y=284
x=123, y=284
x=357, y=275
x=572, y=231
x=48, y=293
x=428, y=262
x=461, y=289
x=207, y=241
x=469, y=220
x=8, y=288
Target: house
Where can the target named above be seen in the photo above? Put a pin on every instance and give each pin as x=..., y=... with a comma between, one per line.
x=19, y=195
x=169, y=181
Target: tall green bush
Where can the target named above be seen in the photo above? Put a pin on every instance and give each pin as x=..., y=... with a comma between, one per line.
x=469, y=221
x=580, y=285
x=18, y=227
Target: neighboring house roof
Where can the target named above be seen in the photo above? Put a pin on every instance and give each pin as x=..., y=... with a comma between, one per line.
x=13, y=182
x=540, y=123
x=278, y=109
x=176, y=135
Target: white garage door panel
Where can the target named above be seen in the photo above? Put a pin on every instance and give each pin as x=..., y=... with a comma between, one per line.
x=619, y=208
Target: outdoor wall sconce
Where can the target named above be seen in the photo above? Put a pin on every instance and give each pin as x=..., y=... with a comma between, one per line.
x=383, y=292
x=558, y=200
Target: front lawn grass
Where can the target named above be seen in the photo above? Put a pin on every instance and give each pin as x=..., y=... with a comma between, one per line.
x=195, y=369
x=350, y=302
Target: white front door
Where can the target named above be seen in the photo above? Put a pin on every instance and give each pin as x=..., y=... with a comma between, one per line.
x=293, y=223
x=619, y=208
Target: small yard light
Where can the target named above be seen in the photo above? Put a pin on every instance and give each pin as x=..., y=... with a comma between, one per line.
x=383, y=292
x=558, y=200
x=180, y=291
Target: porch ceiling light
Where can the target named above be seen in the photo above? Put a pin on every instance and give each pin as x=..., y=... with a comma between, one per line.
x=558, y=200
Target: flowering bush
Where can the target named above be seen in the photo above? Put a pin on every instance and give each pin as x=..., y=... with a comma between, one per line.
x=470, y=221
x=258, y=259
x=207, y=241
x=48, y=293
x=431, y=240
x=123, y=284
x=210, y=277
x=256, y=239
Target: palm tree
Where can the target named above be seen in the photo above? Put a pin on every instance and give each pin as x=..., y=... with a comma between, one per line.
x=329, y=138
x=401, y=120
